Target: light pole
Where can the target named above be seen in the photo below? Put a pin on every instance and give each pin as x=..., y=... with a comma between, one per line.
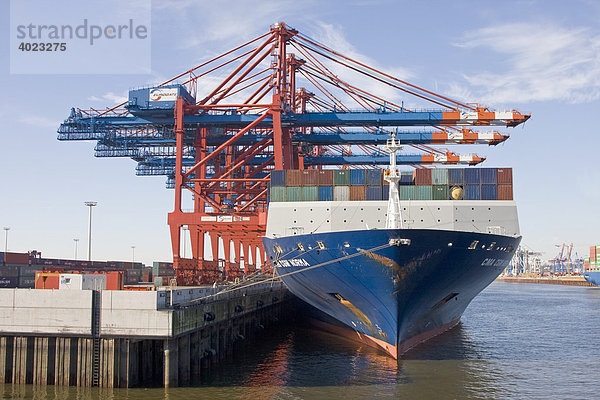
x=76, y=243
x=6, y=229
x=90, y=204
x=132, y=254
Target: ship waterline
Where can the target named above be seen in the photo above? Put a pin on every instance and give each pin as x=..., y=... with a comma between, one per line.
x=390, y=288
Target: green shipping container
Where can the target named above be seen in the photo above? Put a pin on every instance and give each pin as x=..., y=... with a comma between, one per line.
x=407, y=193
x=439, y=176
x=439, y=192
x=310, y=193
x=293, y=193
x=423, y=192
x=341, y=177
x=277, y=193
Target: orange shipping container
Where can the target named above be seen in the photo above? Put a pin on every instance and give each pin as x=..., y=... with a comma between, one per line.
x=46, y=280
x=310, y=177
x=422, y=176
x=504, y=176
x=114, y=280
x=358, y=193
x=293, y=177
x=326, y=177
x=505, y=192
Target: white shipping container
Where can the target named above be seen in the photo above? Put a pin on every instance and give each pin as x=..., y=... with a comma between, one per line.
x=82, y=282
x=341, y=193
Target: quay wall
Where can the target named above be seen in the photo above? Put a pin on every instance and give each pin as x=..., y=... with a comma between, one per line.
x=130, y=339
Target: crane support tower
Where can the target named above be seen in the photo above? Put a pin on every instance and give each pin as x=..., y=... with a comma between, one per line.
x=281, y=101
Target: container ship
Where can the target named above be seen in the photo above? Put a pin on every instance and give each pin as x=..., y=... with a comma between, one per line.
x=591, y=266
x=390, y=258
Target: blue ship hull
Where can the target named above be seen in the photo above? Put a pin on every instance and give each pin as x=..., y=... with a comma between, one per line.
x=391, y=288
x=592, y=277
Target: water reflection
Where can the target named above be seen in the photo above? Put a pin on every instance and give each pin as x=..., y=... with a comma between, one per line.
x=515, y=341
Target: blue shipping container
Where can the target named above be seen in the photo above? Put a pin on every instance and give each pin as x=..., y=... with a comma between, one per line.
x=374, y=193
x=472, y=192
x=385, y=193
x=472, y=176
x=325, y=193
x=163, y=97
x=489, y=192
x=456, y=176
x=406, y=180
x=357, y=177
x=374, y=177
x=9, y=282
x=278, y=177
x=489, y=175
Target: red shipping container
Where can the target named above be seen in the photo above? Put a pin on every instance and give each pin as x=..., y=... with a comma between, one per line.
x=16, y=258
x=293, y=177
x=46, y=280
x=146, y=275
x=310, y=177
x=422, y=176
x=114, y=280
x=358, y=193
x=504, y=176
x=505, y=192
x=325, y=177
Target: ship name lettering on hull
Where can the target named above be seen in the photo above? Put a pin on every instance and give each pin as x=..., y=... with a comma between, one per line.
x=296, y=262
x=494, y=262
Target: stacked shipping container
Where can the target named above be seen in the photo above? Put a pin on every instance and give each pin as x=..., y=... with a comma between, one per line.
x=19, y=270
x=593, y=262
x=361, y=184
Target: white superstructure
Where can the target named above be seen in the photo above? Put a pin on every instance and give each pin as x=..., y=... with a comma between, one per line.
x=299, y=218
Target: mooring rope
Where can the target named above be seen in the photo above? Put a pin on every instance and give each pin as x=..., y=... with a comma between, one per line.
x=347, y=257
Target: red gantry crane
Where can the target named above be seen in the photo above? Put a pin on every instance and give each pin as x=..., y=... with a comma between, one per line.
x=283, y=101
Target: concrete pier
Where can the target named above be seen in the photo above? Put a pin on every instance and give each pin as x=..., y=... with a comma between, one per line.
x=563, y=280
x=128, y=339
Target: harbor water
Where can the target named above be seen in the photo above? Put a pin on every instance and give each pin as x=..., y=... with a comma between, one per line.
x=515, y=341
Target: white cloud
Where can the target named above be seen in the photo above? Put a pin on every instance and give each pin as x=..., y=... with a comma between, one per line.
x=110, y=96
x=332, y=36
x=533, y=62
x=235, y=21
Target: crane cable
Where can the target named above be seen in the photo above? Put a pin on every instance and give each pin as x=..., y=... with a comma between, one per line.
x=274, y=278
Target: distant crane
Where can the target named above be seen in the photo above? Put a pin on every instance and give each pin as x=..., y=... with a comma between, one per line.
x=525, y=261
x=562, y=263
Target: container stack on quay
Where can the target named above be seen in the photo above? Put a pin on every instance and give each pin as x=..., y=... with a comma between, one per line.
x=162, y=273
x=368, y=184
x=30, y=270
x=592, y=263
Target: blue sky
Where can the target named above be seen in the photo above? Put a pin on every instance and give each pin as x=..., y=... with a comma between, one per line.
x=539, y=57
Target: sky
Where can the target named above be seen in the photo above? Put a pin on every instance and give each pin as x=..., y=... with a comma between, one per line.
x=539, y=57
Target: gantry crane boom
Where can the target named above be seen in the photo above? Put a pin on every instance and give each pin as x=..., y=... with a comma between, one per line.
x=271, y=109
